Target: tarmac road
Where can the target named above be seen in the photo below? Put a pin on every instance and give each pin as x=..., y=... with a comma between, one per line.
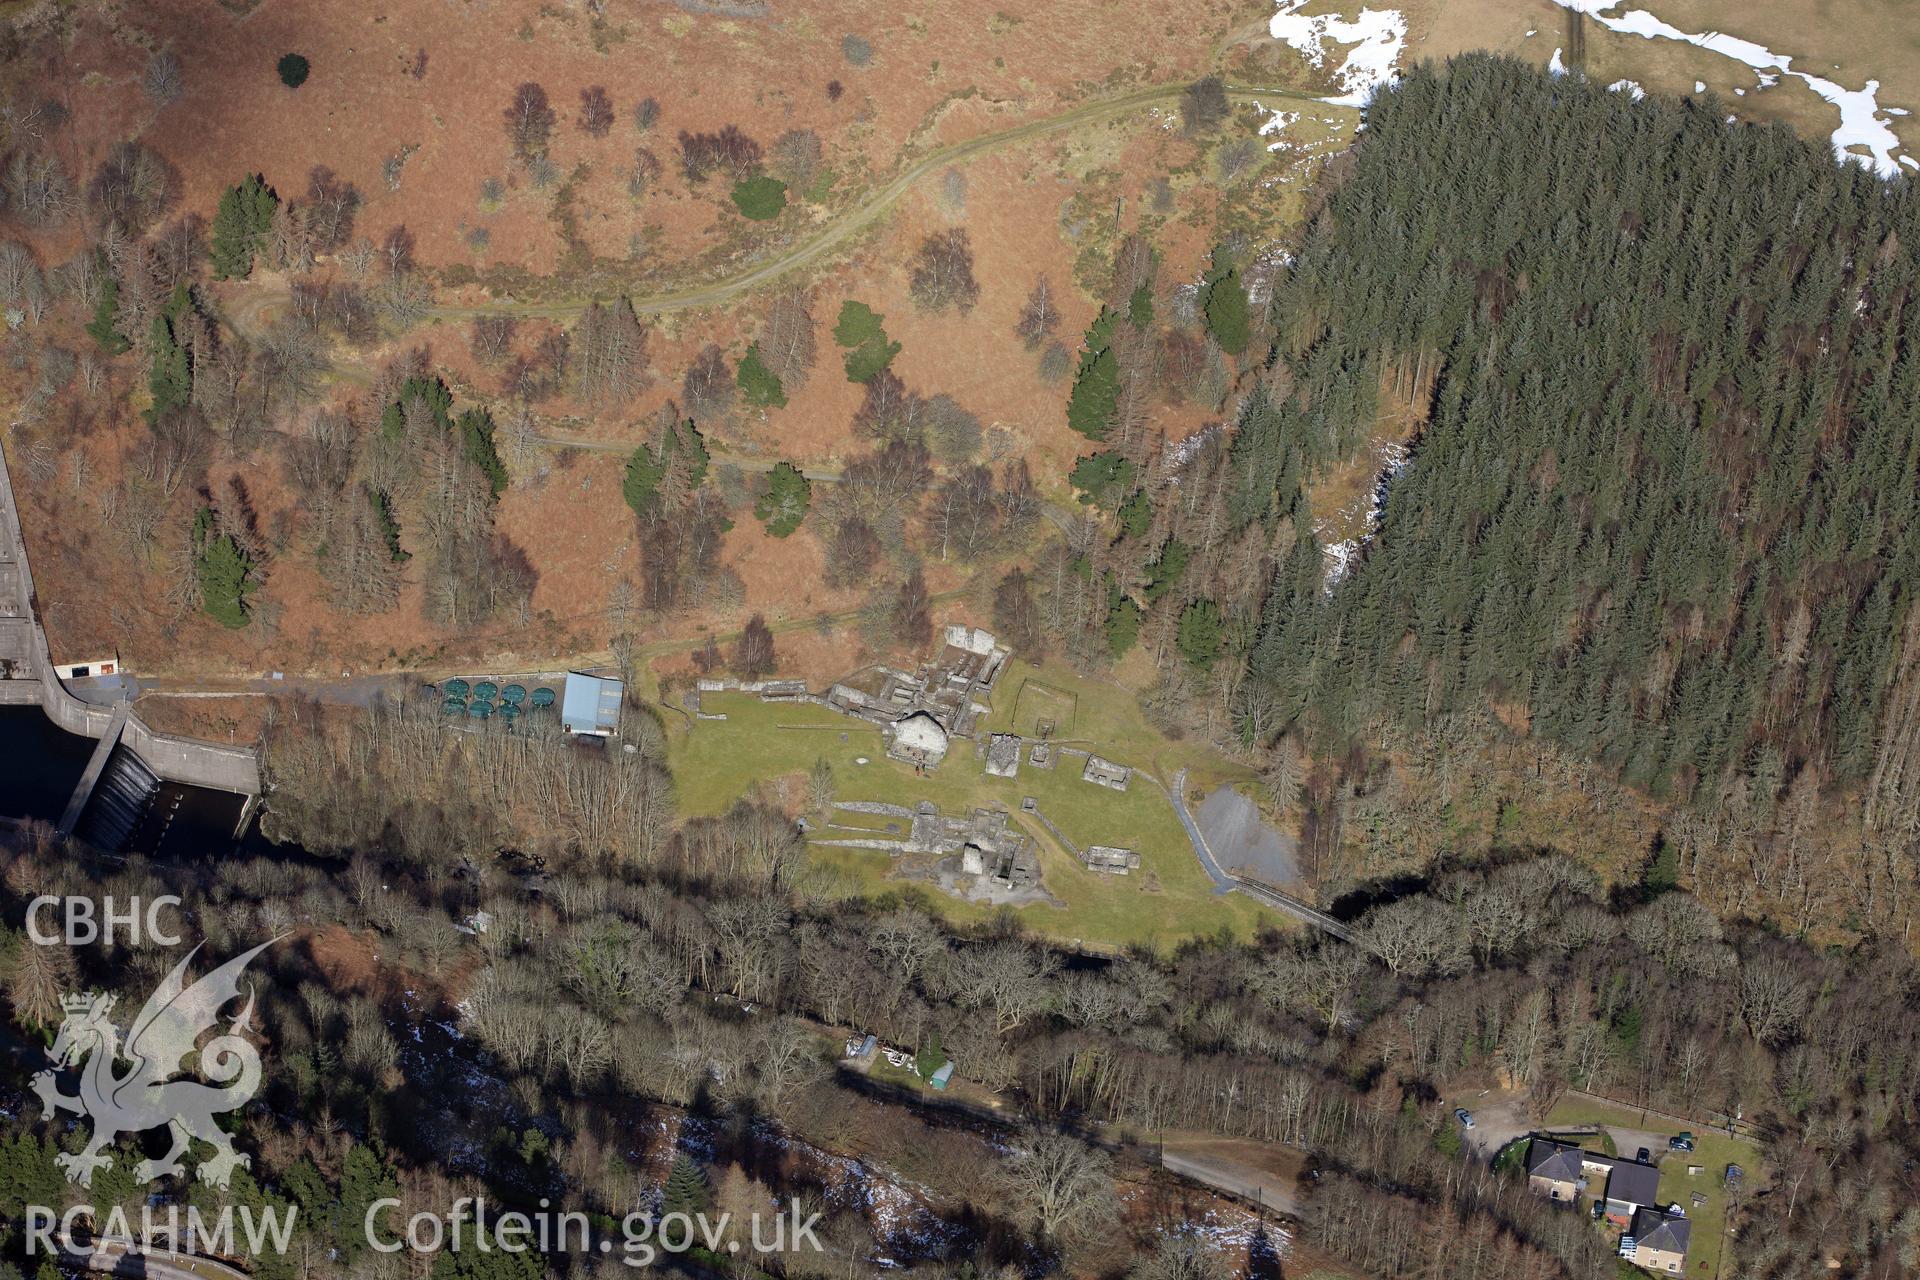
x=116, y=1259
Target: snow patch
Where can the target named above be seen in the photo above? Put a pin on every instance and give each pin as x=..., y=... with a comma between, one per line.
x=1863, y=123
x=1627, y=86
x=1556, y=66
x=1276, y=122
x=1377, y=37
x=1699, y=86
x=1392, y=457
x=1226, y=1229
x=1181, y=453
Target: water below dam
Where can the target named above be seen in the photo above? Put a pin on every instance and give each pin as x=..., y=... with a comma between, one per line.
x=131, y=811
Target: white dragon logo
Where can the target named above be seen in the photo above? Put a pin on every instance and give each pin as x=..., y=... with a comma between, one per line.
x=146, y=1097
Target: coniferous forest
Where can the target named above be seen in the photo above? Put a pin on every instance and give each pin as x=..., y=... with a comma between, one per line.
x=1666, y=491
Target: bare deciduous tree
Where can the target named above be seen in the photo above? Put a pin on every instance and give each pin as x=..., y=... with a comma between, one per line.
x=963, y=520
x=913, y=611
x=707, y=388
x=1775, y=994
x=943, y=272
x=361, y=570
x=1416, y=937
x=161, y=79
x=493, y=337
x=19, y=272
x=1180, y=1258
x=596, y=111
x=728, y=150
x=289, y=238
x=38, y=190
x=1204, y=104
x=331, y=207
x=1236, y=158
x=852, y=552
x=953, y=433
x=396, y=250
x=787, y=343
x=610, y=353
x=36, y=979
x=1063, y=1186
x=888, y=411
x=529, y=120
x=645, y=173
x=753, y=656
x=795, y=158
x=1039, y=317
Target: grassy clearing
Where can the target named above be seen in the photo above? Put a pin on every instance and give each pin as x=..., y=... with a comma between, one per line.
x=1168, y=901
x=1712, y=1151
x=886, y=1072
x=1105, y=717
x=1848, y=41
x=1036, y=702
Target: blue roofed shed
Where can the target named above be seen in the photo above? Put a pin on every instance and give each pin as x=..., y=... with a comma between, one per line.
x=590, y=704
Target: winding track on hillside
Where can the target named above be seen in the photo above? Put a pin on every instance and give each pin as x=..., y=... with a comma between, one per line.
x=248, y=315
x=864, y=213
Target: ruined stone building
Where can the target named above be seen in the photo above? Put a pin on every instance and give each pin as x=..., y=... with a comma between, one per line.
x=920, y=711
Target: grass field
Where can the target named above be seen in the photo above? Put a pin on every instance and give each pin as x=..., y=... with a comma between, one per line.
x=1168, y=901
x=1035, y=702
x=1847, y=41
x=1107, y=717
x=1712, y=1151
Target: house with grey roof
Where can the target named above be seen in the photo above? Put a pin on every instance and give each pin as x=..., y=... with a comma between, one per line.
x=1556, y=1170
x=1657, y=1240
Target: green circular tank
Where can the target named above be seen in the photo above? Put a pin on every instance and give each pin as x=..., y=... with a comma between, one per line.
x=543, y=697
x=514, y=694
x=480, y=709
x=455, y=688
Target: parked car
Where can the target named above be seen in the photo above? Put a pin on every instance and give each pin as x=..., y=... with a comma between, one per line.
x=1464, y=1116
x=1643, y=1156
x=1680, y=1142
